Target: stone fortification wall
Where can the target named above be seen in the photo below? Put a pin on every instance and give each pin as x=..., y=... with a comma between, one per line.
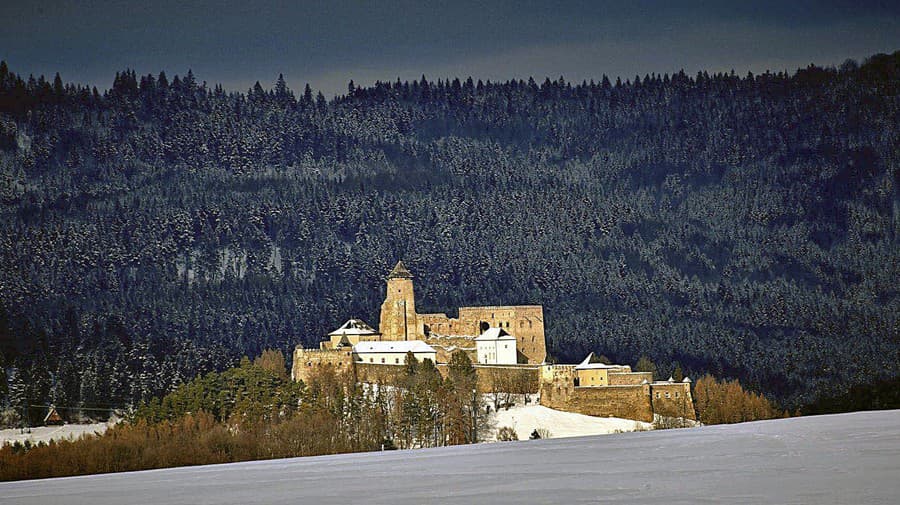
x=306, y=361
x=627, y=396
x=630, y=378
x=443, y=325
x=627, y=402
x=486, y=375
x=525, y=322
x=672, y=399
x=447, y=345
x=377, y=373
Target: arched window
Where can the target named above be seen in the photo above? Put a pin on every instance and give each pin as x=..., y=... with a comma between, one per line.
x=382, y=360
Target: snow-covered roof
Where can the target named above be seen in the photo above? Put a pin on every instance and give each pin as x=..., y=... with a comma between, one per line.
x=354, y=327
x=495, y=334
x=400, y=346
x=587, y=365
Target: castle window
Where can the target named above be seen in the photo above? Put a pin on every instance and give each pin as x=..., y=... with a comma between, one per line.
x=309, y=363
x=396, y=361
x=382, y=360
x=657, y=395
x=371, y=360
x=668, y=395
x=676, y=394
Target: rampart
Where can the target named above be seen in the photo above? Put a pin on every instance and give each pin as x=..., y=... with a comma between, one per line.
x=629, y=378
x=520, y=378
x=627, y=396
x=672, y=399
x=306, y=360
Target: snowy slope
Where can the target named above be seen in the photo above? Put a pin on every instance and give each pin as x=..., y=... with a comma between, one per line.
x=525, y=419
x=847, y=458
x=47, y=433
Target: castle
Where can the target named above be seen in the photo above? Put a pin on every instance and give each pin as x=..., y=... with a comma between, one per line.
x=500, y=340
x=598, y=389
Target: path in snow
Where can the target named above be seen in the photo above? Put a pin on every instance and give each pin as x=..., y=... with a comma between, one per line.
x=846, y=458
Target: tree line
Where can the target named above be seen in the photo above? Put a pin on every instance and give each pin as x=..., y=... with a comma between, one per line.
x=254, y=411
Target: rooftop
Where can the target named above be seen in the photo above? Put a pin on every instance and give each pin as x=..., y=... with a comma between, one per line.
x=400, y=272
x=399, y=346
x=354, y=327
x=495, y=334
x=587, y=365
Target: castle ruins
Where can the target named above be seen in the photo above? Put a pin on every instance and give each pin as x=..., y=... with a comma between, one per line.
x=499, y=339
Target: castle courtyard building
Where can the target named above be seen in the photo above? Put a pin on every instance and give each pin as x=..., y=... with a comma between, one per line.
x=392, y=352
x=496, y=347
x=349, y=334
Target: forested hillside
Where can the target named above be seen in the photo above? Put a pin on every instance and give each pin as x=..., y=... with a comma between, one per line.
x=744, y=226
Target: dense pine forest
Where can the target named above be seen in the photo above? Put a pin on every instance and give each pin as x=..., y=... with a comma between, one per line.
x=740, y=225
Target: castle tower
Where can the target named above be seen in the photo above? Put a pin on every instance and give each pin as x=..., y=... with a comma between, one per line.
x=399, y=320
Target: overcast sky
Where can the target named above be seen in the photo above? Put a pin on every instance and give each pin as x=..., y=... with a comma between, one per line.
x=328, y=43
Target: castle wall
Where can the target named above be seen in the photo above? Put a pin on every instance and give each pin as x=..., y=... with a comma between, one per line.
x=626, y=396
x=629, y=378
x=672, y=400
x=375, y=373
x=447, y=345
x=443, y=325
x=485, y=375
x=307, y=360
x=627, y=402
x=525, y=322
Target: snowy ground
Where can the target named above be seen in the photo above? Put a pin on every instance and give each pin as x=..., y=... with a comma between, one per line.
x=847, y=458
x=525, y=419
x=47, y=433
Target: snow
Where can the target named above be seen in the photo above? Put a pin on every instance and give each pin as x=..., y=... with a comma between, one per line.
x=401, y=346
x=525, y=419
x=354, y=327
x=846, y=458
x=494, y=334
x=47, y=433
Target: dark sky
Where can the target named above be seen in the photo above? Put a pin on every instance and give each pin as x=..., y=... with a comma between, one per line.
x=328, y=43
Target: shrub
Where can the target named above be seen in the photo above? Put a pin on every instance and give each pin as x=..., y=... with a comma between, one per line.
x=507, y=434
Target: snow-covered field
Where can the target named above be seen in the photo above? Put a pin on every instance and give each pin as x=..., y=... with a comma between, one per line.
x=846, y=458
x=525, y=419
x=47, y=433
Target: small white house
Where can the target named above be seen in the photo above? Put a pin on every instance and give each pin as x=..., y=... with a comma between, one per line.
x=496, y=347
x=392, y=352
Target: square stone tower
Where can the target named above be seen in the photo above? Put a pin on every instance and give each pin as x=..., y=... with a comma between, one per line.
x=399, y=320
